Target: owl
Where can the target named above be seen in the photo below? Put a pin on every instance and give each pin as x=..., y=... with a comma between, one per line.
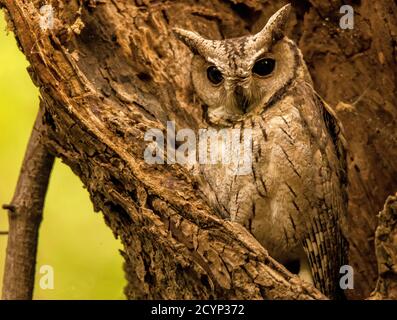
x=294, y=198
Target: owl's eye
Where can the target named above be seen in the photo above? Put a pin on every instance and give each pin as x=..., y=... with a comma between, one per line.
x=264, y=67
x=214, y=75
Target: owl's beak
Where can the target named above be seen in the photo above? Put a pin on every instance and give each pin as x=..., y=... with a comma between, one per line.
x=241, y=99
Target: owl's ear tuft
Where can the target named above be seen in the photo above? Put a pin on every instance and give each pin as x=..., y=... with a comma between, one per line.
x=197, y=44
x=191, y=39
x=274, y=28
x=278, y=21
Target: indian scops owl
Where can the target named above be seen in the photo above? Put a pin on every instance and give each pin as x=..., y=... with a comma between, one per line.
x=294, y=198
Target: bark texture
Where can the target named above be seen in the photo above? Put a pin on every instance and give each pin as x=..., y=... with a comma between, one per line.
x=24, y=215
x=386, y=251
x=110, y=70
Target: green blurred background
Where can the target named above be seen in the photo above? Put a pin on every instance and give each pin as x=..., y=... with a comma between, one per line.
x=73, y=239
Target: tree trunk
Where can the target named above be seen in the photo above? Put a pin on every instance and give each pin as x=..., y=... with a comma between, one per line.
x=25, y=215
x=108, y=71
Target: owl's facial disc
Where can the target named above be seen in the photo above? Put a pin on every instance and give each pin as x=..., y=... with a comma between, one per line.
x=235, y=76
x=237, y=82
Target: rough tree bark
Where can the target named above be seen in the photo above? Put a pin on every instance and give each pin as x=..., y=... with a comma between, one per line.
x=110, y=70
x=386, y=251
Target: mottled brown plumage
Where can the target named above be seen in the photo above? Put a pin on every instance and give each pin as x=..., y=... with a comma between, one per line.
x=293, y=198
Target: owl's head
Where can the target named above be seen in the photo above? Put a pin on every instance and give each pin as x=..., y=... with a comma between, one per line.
x=235, y=77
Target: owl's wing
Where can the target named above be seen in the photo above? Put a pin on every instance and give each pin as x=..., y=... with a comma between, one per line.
x=325, y=244
x=335, y=129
